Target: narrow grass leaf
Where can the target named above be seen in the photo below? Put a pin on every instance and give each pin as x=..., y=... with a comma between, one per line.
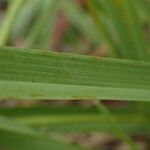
x=6, y=26
x=77, y=119
x=15, y=136
x=30, y=74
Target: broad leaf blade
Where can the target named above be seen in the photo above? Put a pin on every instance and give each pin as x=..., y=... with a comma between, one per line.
x=31, y=74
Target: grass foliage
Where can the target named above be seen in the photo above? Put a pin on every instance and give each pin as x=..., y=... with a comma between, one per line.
x=30, y=73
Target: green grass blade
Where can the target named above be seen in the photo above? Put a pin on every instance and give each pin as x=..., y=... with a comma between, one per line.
x=78, y=119
x=30, y=74
x=45, y=40
x=12, y=126
x=115, y=17
x=102, y=27
x=81, y=21
x=5, y=28
x=119, y=25
x=117, y=129
x=135, y=28
x=43, y=23
x=15, y=136
x=24, y=19
x=17, y=141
